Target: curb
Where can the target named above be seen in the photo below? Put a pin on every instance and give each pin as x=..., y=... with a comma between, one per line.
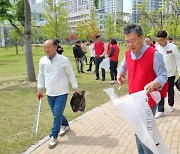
x=46, y=138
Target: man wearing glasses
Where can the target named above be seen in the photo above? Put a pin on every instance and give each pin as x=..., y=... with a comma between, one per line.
x=145, y=68
x=171, y=57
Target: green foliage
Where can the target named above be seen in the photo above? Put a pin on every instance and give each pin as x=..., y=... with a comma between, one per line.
x=82, y=30
x=14, y=36
x=14, y=13
x=161, y=19
x=96, y=3
x=20, y=11
x=88, y=29
x=57, y=24
x=121, y=23
x=5, y=7
x=110, y=27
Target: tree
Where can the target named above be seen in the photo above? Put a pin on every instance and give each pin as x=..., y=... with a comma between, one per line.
x=87, y=28
x=20, y=14
x=96, y=4
x=165, y=18
x=175, y=5
x=82, y=30
x=15, y=38
x=57, y=25
x=27, y=43
x=121, y=22
x=92, y=28
x=110, y=27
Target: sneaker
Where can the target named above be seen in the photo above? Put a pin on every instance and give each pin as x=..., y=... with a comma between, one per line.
x=103, y=79
x=97, y=78
x=171, y=109
x=88, y=70
x=82, y=72
x=52, y=142
x=112, y=82
x=63, y=130
x=158, y=115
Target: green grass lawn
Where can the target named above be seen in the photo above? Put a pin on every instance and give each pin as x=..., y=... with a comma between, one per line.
x=18, y=100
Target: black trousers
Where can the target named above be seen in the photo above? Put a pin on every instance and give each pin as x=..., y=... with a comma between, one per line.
x=170, y=95
x=98, y=60
x=85, y=58
x=113, y=69
x=92, y=59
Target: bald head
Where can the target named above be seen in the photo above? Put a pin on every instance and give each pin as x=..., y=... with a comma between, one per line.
x=148, y=41
x=50, y=47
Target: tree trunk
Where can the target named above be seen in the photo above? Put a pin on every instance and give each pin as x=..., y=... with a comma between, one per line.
x=27, y=43
x=16, y=47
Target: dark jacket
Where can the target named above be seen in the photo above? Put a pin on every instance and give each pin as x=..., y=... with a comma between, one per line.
x=77, y=51
x=60, y=50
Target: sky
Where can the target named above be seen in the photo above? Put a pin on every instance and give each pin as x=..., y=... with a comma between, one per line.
x=126, y=5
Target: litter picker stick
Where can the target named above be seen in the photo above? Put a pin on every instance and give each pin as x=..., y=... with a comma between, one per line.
x=36, y=120
x=39, y=108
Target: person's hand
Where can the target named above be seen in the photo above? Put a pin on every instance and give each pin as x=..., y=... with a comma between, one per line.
x=149, y=87
x=78, y=91
x=40, y=94
x=120, y=78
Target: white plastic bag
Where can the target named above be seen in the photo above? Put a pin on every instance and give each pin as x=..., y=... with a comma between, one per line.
x=105, y=64
x=136, y=110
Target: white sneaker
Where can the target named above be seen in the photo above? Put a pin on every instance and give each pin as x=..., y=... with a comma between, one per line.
x=52, y=142
x=64, y=129
x=171, y=109
x=112, y=82
x=158, y=115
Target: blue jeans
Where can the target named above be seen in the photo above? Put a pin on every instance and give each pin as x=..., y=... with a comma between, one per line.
x=57, y=104
x=142, y=149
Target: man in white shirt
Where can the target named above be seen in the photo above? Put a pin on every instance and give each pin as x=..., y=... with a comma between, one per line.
x=54, y=72
x=92, y=55
x=171, y=58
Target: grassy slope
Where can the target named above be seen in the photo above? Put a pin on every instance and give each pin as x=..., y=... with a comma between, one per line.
x=18, y=100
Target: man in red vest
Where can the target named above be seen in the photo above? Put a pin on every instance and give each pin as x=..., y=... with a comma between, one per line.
x=145, y=68
x=113, y=56
x=99, y=48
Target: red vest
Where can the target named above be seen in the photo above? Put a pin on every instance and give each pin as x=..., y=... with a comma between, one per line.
x=108, y=48
x=164, y=90
x=115, y=55
x=141, y=72
x=99, y=48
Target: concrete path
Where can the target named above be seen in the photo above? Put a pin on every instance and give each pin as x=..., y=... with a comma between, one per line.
x=104, y=130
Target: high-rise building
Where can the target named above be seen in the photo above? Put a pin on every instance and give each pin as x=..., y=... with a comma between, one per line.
x=113, y=6
x=79, y=10
x=151, y=6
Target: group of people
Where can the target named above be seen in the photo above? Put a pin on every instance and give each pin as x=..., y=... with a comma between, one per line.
x=149, y=67
x=98, y=52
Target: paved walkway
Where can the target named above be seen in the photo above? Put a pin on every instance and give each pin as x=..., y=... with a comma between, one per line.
x=104, y=130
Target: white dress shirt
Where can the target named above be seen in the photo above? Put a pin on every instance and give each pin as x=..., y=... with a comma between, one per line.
x=91, y=50
x=54, y=74
x=171, y=58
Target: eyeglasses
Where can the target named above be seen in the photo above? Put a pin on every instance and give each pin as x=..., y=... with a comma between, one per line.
x=161, y=40
x=130, y=42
